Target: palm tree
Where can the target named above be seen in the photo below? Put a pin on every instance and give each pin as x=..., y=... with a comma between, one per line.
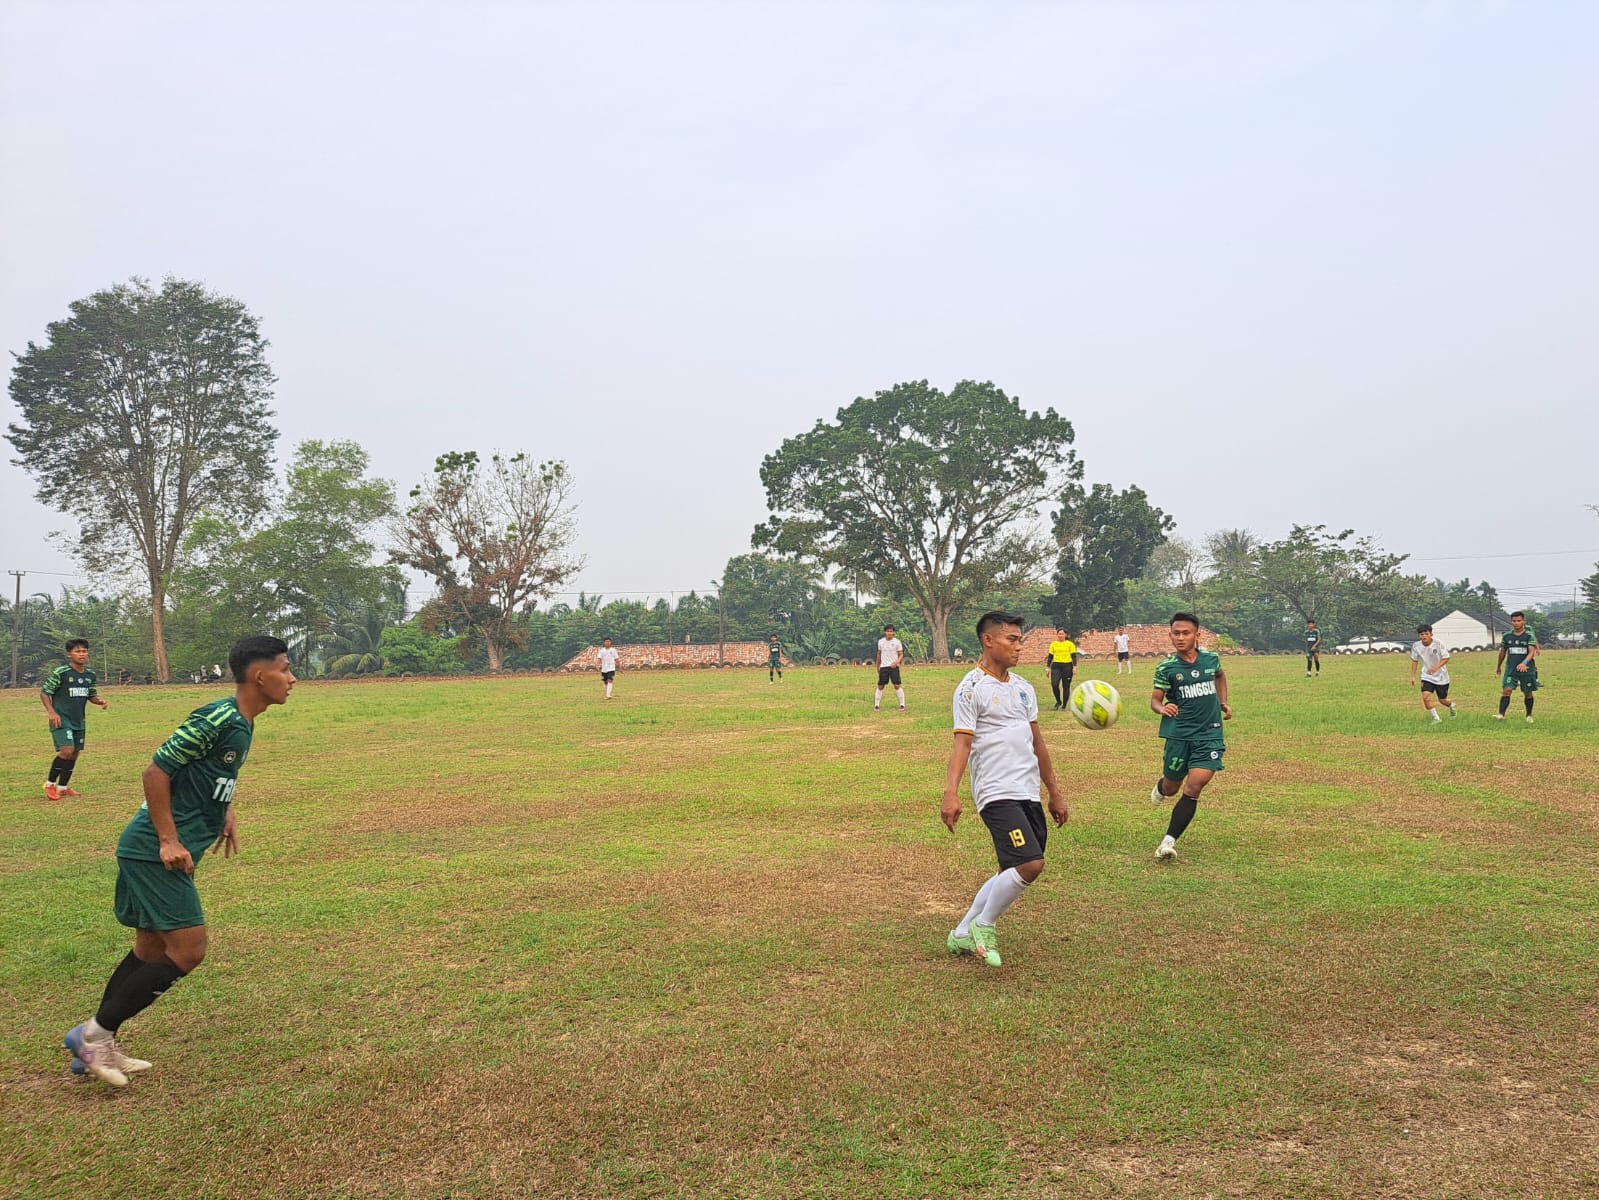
x=1231, y=551
x=355, y=645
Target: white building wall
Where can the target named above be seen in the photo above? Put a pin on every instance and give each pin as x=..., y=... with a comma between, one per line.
x=1457, y=631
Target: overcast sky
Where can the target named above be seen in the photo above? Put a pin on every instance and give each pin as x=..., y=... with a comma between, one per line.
x=1277, y=262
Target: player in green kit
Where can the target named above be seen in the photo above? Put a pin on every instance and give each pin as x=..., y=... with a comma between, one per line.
x=1312, y=648
x=1520, y=648
x=774, y=661
x=188, y=809
x=1190, y=697
x=66, y=695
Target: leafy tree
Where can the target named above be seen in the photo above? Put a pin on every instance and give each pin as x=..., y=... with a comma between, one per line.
x=1231, y=551
x=1590, y=598
x=496, y=537
x=1105, y=538
x=308, y=570
x=158, y=400
x=1331, y=579
x=920, y=490
x=355, y=646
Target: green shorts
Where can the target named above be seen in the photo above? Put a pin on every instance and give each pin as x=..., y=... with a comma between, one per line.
x=1526, y=680
x=151, y=897
x=1182, y=754
x=66, y=735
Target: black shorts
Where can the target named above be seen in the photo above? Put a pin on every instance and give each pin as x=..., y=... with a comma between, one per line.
x=1061, y=671
x=888, y=675
x=1018, y=829
x=607, y=676
x=1122, y=656
x=1441, y=690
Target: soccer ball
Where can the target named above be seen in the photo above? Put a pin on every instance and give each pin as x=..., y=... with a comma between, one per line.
x=1096, y=704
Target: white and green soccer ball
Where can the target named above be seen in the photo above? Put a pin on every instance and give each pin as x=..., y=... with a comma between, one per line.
x=1095, y=703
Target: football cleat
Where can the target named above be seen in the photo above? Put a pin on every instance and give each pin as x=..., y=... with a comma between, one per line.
x=1167, y=849
x=959, y=943
x=986, y=942
x=96, y=1057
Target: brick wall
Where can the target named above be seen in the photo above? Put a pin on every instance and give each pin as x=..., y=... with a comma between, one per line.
x=1145, y=641
x=666, y=654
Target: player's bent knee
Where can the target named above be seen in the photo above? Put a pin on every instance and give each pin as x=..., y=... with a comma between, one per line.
x=1030, y=871
x=68, y=753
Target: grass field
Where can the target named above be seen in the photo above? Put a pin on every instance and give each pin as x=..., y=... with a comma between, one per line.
x=501, y=938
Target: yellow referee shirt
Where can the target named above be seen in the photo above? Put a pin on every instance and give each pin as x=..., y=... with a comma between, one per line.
x=1062, y=652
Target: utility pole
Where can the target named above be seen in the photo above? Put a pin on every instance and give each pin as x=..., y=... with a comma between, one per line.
x=721, y=627
x=16, y=632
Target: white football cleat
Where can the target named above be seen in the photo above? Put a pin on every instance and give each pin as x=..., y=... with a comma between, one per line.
x=1156, y=796
x=1167, y=849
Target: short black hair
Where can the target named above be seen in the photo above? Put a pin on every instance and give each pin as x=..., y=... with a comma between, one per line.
x=1184, y=616
x=995, y=616
x=887, y=628
x=74, y=643
x=1519, y=613
x=1060, y=629
x=1310, y=620
x=250, y=650
x=1423, y=628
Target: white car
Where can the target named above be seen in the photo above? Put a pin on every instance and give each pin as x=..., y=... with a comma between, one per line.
x=1371, y=646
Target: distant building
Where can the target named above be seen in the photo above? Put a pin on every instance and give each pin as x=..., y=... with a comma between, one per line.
x=1462, y=631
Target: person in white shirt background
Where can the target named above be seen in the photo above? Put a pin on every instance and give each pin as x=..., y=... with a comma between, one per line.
x=608, y=655
x=890, y=653
x=1123, y=654
x=1433, y=660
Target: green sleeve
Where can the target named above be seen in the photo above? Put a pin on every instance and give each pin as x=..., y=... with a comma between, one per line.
x=192, y=740
x=1162, y=678
x=52, y=681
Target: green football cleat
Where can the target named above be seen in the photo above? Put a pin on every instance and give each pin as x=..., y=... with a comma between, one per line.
x=959, y=943
x=986, y=941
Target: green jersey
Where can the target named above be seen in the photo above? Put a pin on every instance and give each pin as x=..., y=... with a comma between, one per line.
x=70, y=692
x=1312, y=636
x=1517, y=646
x=1191, y=686
x=776, y=649
x=203, y=759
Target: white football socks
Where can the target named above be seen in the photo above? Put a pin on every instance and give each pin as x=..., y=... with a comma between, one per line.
x=965, y=927
x=900, y=692
x=878, y=703
x=1008, y=887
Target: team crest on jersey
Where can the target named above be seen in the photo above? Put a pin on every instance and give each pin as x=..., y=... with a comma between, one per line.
x=230, y=757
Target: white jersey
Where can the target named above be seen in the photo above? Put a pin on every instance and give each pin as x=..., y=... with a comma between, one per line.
x=1122, y=641
x=999, y=716
x=607, y=658
x=1431, y=659
x=889, y=651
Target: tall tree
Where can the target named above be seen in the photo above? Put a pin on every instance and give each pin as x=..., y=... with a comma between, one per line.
x=307, y=568
x=1105, y=538
x=1231, y=551
x=495, y=536
x=921, y=490
x=142, y=409
x=1329, y=578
